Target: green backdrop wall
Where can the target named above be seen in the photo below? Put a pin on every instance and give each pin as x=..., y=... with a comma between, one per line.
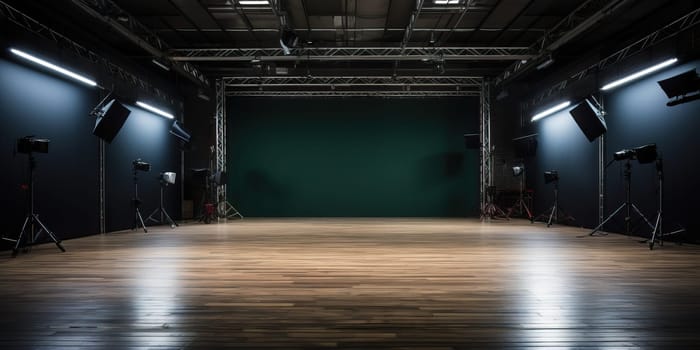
x=355, y=157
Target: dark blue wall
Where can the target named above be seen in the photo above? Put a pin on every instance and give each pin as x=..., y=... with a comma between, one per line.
x=36, y=102
x=145, y=136
x=637, y=115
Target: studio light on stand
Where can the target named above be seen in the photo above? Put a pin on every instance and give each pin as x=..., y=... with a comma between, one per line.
x=165, y=179
x=32, y=228
x=644, y=154
x=138, y=165
x=225, y=209
x=520, y=207
x=555, y=213
x=206, y=213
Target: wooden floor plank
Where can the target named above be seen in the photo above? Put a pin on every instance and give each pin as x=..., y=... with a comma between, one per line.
x=352, y=284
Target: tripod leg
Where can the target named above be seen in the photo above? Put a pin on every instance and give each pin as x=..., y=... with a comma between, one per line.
x=15, y=250
x=527, y=210
x=607, y=219
x=551, y=215
x=150, y=217
x=140, y=218
x=48, y=232
x=656, y=230
x=172, y=223
x=642, y=215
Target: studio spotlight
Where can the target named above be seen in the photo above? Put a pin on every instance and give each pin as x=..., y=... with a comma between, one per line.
x=624, y=154
x=643, y=154
x=551, y=176
x=30, y=144
x=139, y=165
x=518, y=170
x=167, y=177
x=288, y=40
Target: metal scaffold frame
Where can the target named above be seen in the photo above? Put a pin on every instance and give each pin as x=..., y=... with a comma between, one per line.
x=220, y=136
x=352, y=54
x=668, y=31
x=486, y=175
x=33, y=26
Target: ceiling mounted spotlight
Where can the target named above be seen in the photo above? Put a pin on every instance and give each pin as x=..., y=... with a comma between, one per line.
x=288, y=40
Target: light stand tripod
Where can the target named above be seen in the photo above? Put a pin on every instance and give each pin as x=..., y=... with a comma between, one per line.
x=224, y=209
x=556, y=213
x=32, y=219
x=520, y=206
x=138, y=219
x=160, y=211
x=658, y=234
x=206, y=208
x=490, y=209
x=627, y=204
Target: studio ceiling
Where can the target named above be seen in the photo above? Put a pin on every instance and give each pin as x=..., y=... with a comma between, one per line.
x=342, y=43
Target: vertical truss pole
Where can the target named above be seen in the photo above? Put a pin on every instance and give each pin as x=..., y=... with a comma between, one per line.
x=220, y=132
x=101, y=185
x=601, y=179
x=486, y=175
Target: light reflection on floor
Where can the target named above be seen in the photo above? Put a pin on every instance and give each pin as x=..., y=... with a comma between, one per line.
x=154, y=299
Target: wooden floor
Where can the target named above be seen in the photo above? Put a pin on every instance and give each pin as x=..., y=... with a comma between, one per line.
x=352, y=283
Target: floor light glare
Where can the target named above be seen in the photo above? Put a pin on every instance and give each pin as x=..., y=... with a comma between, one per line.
x=639, y=74
x=53, y=67
x=549, y=111
x=154, y=110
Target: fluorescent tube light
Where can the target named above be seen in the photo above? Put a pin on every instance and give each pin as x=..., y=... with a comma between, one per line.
x=549, y=111
x=53, y=67
x=639, y=74
x=160, y=64
x=154, y=110
x=446, y=2
x=254, y=2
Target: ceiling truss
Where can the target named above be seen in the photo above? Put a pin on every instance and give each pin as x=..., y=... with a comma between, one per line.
x=354, y=53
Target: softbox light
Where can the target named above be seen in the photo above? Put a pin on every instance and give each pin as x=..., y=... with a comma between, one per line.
x=110, y=120
x=589, y=119
x=681, y=84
